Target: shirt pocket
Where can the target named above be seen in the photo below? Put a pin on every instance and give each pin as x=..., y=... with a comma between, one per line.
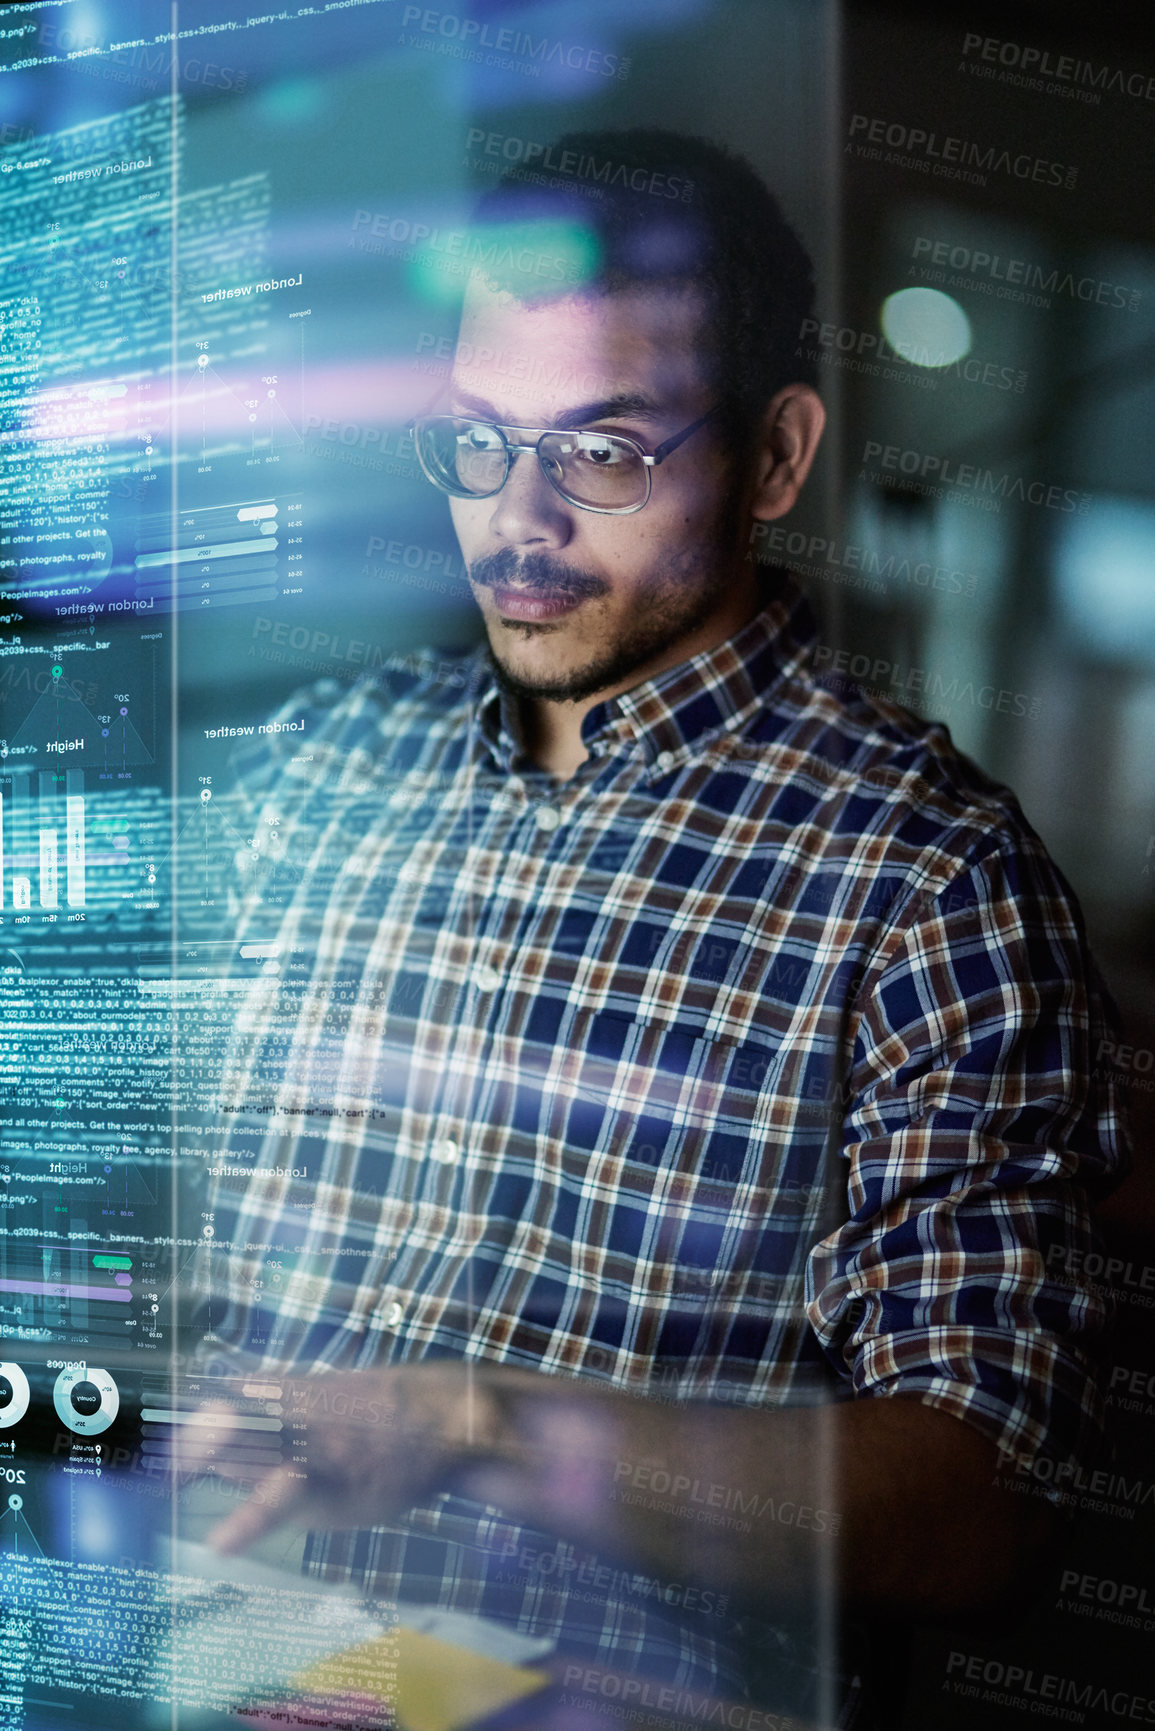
x=683, y=1219
x=657, y=1091
x=659, y=1129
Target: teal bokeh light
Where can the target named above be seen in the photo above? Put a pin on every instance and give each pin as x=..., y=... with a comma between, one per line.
x=292, y=101
x=926, y=327
x=530, y=259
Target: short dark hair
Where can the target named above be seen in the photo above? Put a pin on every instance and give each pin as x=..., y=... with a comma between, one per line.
x=667, y=208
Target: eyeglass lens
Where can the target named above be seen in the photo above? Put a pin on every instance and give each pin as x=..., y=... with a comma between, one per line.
x=469, y=458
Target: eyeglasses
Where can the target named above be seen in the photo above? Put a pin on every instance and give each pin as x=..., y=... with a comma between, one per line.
x=603, y=472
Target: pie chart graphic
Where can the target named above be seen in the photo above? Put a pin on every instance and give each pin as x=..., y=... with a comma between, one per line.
x=86, y=1399
x=13, y=1395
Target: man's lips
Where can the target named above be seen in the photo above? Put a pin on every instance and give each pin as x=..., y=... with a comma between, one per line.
x=532, y=607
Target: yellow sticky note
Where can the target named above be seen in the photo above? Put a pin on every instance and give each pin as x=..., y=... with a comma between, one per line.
x=430, y=1685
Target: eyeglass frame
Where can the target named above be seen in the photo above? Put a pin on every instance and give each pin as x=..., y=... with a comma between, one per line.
x=513, y=448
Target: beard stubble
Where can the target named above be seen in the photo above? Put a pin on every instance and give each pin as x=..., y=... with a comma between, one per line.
x=675, y=598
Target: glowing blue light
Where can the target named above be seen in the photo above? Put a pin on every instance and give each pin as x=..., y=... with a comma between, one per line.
x=1103, y=577
x=925, y=327
x=292, y=101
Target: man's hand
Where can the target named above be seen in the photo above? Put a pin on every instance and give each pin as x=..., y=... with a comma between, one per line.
x=368, y=1444
x=851, y=1490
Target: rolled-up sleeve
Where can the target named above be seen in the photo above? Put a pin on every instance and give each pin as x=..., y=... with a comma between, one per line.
x=981, y=1126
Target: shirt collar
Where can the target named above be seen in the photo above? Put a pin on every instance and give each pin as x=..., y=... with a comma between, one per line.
x=669, y=716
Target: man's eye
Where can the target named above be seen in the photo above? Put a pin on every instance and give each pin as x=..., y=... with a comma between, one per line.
x=480, y=439
x=602, y=453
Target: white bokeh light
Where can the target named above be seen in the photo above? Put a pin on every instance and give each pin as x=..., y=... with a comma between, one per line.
x=925, y=327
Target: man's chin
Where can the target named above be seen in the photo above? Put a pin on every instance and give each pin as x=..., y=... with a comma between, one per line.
x=552, y=681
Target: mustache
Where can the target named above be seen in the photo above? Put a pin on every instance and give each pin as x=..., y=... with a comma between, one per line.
x=536, y=574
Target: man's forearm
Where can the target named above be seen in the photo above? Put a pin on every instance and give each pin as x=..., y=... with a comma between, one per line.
x=886, y=1504
x=891, y=1503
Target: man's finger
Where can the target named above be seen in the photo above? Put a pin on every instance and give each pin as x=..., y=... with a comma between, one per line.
x=273, y=1501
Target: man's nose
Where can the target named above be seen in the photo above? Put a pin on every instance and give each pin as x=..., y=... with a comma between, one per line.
x=528, y=510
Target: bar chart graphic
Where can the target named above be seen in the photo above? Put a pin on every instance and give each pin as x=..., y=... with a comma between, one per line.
x=240, y=1427
x=59, y=1289
x=66, y=847
x=43, y=840
x=217, y=555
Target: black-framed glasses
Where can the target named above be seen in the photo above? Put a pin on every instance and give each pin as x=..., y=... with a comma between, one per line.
x=607, y=472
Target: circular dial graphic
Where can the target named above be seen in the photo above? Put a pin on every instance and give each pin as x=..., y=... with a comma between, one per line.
x=86, y=1399
x=13, y=1395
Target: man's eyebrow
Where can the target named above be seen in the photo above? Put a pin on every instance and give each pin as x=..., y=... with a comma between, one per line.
x=625, y=404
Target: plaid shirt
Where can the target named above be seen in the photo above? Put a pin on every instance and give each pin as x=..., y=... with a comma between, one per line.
x=752, y=1065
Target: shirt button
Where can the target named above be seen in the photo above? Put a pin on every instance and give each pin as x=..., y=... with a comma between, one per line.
x=664, y=761
x=446, y=1150
x=488, y=979
x=395, y=1315
x=547, y=817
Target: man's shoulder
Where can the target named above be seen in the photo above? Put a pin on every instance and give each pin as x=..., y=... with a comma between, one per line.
x=872, y=770
x=422, y=694
x=431, y=684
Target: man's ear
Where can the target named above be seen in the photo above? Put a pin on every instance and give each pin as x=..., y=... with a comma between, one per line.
x=787, y=442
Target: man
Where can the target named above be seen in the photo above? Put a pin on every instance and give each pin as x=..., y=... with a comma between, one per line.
x=684, y=1076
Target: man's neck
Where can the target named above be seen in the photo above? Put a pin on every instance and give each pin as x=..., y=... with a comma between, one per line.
x=552, y=734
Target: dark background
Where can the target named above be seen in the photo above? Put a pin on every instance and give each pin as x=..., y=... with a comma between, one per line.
x=1082, y=765
x=339, y=115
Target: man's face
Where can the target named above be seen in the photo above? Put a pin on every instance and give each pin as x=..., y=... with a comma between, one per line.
x=576, y=603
